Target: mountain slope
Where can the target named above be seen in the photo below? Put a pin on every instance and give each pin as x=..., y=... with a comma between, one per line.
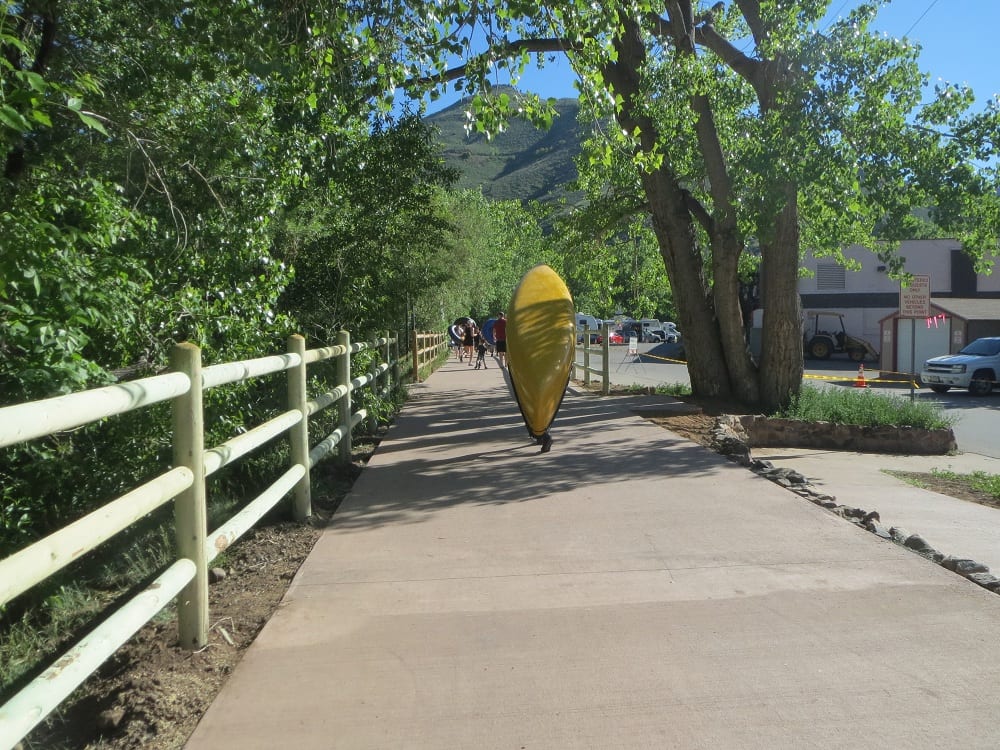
x=522, y=163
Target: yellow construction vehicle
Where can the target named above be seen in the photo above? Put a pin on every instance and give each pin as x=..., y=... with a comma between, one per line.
x=825, y=334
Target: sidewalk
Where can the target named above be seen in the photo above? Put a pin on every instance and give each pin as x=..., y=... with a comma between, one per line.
x=630, y=589
x=954, y=527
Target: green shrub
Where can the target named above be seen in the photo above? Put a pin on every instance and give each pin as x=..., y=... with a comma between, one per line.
x=862, y=407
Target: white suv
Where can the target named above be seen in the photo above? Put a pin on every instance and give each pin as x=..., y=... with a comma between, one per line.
x=976, y=367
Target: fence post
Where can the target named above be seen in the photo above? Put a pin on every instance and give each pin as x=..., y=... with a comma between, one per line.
x=388, y=361
x=190, y=516
x=395, y=360
x=416, y=358
x=344, y=404
x=372, y=420
x=606, y=368
x=298, y=435
x=586, y=356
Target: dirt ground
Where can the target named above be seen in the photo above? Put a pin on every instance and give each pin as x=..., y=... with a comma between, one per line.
x=152, y=693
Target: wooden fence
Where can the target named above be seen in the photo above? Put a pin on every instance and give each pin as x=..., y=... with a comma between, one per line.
x=604, y=371
x=426, y=348
x=187, y=577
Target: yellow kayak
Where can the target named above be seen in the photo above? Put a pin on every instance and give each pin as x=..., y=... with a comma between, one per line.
x=541, y=342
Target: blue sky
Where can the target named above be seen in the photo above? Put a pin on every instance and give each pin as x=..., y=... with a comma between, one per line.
x=958, y=40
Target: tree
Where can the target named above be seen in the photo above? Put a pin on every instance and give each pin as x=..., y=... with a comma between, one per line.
x=490, y=246
x=149, y=151
x=371, y=234
x=813, y=137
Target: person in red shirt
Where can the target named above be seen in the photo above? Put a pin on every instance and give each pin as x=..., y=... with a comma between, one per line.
x=500, y=337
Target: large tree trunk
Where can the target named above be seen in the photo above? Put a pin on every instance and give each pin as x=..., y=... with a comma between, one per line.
x=674, y=227
x=721, y=225
x=781, y=349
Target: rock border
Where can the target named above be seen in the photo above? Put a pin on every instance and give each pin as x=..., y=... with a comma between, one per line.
x=731, y=438
x=775, y=432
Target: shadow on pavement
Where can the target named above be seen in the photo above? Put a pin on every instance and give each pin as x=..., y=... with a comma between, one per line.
x=455, y=446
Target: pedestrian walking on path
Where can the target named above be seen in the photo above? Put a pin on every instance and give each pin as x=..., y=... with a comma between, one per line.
x=481, y=353
x=500, y=337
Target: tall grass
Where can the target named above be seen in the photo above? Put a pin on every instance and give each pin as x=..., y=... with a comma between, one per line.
x=862, y=407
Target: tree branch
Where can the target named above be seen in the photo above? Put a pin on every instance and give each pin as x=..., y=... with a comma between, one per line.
x=504, y=51
x=707, y=36
x=699, y=212
x=751, y=13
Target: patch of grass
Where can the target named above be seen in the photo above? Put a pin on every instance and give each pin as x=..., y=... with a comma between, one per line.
x=58, y=611
x=673, y=389
x=663, y=389
x=864, y=408
x=978, y=480
x=31, y=639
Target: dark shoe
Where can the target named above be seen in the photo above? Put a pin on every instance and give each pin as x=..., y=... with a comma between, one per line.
x=546, y=443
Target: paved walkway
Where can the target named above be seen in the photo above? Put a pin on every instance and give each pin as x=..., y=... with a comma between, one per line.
x=627, y=590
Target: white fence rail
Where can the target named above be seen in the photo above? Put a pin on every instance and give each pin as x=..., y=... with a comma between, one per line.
x=187, y=577
x=426, y=347
x=604, y=371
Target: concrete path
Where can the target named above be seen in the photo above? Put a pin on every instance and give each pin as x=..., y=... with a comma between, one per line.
x=954, y=527
x=630, y=589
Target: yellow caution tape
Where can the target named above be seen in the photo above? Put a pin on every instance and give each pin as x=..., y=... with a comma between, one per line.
x=662, y=359
x=906, y=380
x=848, y=379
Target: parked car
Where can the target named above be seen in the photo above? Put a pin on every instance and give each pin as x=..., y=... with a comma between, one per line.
x=595, y=338
x=667, y=333
x=976, y=367
x=615, y=338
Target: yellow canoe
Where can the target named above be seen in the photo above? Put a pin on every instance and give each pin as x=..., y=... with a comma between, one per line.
x=541, y=341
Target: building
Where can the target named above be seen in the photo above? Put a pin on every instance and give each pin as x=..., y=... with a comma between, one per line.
x=869, y=299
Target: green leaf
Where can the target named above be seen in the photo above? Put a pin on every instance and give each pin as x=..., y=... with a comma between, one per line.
x=41, y=117
x=35, y=81
x=13, y=119
x=92, y=122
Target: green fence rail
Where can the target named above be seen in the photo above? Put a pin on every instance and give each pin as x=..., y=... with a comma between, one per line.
x=187, y=578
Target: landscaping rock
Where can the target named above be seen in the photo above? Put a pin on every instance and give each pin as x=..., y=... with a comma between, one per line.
x=986, y=580
x=918, y=544
x=110, y=719
x=216, y=574
x=899, y=535
x=730, y=439
x=963, y=565
x=878, y=530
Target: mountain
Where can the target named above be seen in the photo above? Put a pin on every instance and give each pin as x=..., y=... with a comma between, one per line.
x=522, y=163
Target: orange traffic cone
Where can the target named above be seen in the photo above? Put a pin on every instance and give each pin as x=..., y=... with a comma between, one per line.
x=859, y=382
